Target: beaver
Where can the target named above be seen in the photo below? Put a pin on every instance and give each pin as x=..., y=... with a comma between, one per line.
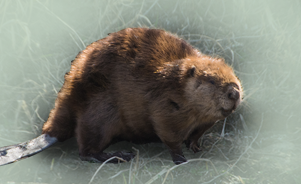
x=139, y=85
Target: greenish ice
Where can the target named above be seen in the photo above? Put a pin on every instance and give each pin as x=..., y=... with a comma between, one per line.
x=259, y=144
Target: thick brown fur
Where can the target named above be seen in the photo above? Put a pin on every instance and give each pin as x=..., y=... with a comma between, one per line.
x=142, y=85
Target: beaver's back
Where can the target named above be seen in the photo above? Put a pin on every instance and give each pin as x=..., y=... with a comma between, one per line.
x=125, y=65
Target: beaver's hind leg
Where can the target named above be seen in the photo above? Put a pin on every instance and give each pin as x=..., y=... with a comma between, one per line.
x=96, y=129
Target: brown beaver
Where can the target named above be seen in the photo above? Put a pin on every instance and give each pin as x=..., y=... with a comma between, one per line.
x=140, y=85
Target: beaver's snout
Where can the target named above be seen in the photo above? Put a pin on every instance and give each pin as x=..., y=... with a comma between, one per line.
x=233, y=100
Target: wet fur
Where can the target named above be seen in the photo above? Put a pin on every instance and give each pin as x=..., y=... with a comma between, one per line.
x=142, y=85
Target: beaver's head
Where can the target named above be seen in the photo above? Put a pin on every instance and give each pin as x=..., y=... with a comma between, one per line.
x=212, y=87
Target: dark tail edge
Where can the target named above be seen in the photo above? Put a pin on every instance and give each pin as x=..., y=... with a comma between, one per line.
x=11, y=154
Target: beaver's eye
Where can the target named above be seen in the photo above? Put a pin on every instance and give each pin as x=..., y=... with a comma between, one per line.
x=198, y=83
x=212, y=82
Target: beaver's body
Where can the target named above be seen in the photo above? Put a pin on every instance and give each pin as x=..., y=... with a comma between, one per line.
x=141, y=85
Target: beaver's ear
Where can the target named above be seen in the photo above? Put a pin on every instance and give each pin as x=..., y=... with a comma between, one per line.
x=191, y=71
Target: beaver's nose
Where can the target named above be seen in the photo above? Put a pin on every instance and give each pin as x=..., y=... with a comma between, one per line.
x=233, y=93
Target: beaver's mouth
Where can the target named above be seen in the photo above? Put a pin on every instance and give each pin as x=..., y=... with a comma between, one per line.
x=226, y=112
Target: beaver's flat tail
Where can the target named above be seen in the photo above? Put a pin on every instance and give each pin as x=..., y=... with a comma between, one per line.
x=10, y=154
